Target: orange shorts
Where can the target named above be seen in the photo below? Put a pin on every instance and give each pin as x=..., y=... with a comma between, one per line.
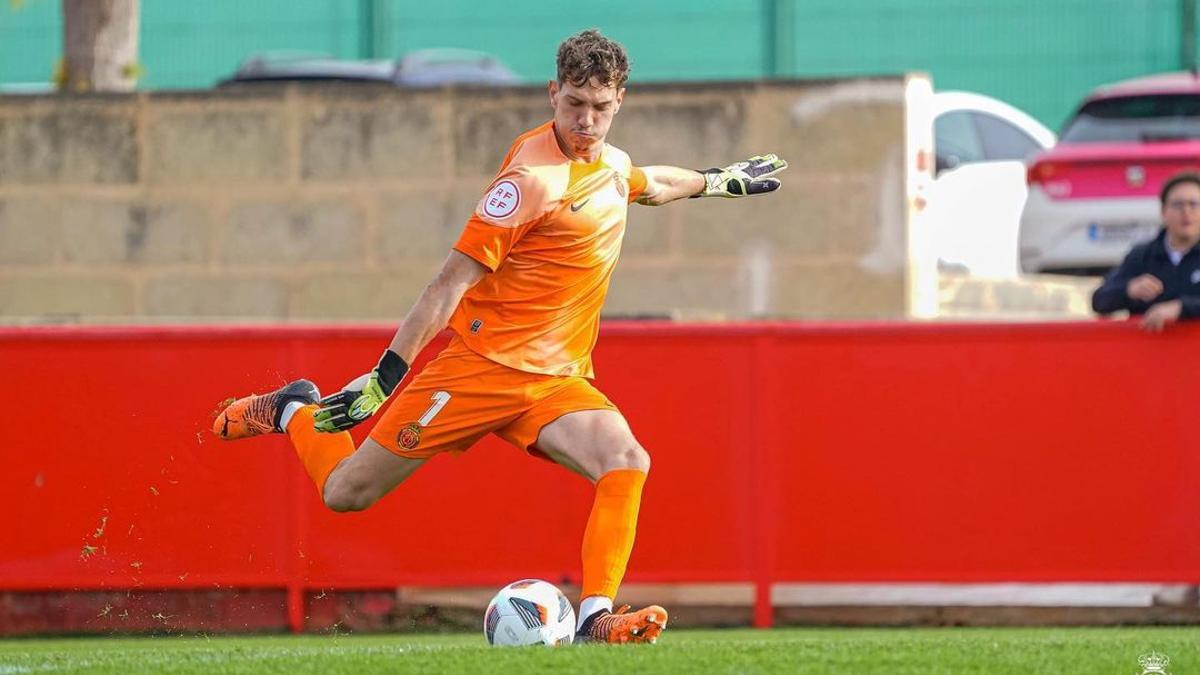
x=460, y=397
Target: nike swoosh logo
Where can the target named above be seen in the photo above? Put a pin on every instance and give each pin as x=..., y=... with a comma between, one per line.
x=579, y=205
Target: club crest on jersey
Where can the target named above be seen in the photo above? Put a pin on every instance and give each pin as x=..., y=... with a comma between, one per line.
x=409, y=436
x=620, y=183
x=502, y=200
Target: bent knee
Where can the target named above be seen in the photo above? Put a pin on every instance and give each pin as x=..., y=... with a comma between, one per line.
x=632, y=456
x=343, y=496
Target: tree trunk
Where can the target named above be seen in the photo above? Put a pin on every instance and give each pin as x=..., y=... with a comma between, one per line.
x=100, y=45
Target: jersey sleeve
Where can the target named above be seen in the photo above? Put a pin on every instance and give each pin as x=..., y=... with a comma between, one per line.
x=489, y=244
x=512, y=205
x=637, y=183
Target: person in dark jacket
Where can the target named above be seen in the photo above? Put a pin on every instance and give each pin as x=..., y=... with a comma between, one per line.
x=1160, y=279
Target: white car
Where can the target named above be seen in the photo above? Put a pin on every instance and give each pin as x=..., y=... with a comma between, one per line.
x=1095, y=194
x=974, y=203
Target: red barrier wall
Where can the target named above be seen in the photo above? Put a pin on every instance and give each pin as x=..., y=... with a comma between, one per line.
x=782, y=452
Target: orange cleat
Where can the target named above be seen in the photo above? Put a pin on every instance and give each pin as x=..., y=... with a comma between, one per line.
x=621, y=627
x=259, y=414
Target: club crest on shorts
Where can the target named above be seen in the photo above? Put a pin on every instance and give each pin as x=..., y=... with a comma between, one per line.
x=620, y=183
x=409, y=436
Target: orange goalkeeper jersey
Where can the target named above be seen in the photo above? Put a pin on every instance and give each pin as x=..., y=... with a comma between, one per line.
x=549, y=229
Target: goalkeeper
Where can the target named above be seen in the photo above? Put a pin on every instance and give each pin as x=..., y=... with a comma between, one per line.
x=522, y=291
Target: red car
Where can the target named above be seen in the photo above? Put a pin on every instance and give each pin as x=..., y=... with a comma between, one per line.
x=1095, y=194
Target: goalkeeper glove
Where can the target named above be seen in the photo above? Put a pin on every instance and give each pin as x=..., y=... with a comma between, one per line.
x=362, y=397
x=751, y=177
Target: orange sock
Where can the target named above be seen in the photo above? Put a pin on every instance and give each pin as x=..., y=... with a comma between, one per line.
x=319, y=452
x=608, y=539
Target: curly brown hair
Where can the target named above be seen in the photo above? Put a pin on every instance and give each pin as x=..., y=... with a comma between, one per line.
x=588, y=55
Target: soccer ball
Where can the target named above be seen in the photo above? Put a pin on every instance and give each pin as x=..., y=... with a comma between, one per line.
x=529, y=612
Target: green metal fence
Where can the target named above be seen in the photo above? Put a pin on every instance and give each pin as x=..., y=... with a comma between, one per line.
x=1041, y=56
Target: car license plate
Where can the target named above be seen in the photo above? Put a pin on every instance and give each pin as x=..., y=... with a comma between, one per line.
x=1116, y=232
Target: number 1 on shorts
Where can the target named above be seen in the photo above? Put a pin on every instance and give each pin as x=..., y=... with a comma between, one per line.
x=440, y=399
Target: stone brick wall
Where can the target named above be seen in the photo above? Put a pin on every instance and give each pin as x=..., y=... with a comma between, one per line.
x=338, y=203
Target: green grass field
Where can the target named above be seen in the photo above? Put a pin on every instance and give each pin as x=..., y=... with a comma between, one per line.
x=834, y=650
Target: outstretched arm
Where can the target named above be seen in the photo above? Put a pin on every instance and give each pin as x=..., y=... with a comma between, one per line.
x=751, y=177
x=364, y=395
x=665, y=184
